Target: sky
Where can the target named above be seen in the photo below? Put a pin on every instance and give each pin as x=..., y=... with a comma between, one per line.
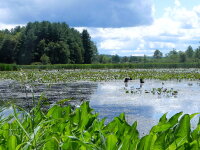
x=123, y=27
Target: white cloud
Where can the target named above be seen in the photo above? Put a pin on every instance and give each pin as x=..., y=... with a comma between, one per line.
x=90, y=13
x=9, y=26
x=177, y=3
x=177, y=28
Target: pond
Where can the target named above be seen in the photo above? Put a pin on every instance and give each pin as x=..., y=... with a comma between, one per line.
x=112, y=98
x=144, y=105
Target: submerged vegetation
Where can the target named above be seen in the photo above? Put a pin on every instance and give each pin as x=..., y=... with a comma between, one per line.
x=66, y=128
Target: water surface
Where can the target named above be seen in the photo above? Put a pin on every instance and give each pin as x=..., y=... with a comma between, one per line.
x=111, y=99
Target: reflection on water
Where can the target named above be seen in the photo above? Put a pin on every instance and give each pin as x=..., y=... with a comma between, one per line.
x=111, y=99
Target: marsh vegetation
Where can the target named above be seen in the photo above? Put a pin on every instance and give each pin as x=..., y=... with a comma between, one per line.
x=30, y=121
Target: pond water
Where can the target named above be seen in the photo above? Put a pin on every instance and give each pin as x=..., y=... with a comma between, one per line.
x=110, y=99
x=113, y=98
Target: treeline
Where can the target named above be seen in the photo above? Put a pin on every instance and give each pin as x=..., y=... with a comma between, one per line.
x=190, y=55
x=46, y=43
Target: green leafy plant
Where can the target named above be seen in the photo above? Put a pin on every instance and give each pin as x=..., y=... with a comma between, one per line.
x=68, y=128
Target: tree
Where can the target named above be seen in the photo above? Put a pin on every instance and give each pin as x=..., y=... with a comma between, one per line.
x=58, y=53
x=173, y=56
x=182, y=57
x=56, y=40
x=104, y=59
x=197, y=53
x=7, y=50
x=124, y=59
x=115, y=59
x=144, y=58
x=133, y=59
x=157, y=54
x=45, y=59
x=189, y=52
x=88, y=52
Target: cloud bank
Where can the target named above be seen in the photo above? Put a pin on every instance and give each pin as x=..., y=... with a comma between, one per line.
x=87, y=13
x=177, y=28
x=139, y=33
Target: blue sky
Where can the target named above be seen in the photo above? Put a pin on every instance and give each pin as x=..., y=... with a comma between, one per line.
x=123, y=27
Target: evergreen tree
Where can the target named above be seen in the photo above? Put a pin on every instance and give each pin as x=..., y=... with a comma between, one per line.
x=157, y=54
x=7, y=50
x=197, y=53
x=115, y=59
x=189, y=52
x=124, y=59
x=45, y=59
x=88, y=51
x=182, y=57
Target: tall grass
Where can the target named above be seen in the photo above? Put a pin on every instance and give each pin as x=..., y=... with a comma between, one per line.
x=8, y=67
x=12, y=67
x=65, y=128
x=112, y=66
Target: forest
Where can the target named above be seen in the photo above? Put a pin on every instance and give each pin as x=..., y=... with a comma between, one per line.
x=46, y=43
x=42, y=43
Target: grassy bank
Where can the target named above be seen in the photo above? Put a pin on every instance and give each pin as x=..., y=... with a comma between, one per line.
x=66, y=128
x=112, y=66
x=8, y=67
x=11, y=67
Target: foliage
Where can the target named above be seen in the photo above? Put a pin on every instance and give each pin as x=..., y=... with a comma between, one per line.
x=8, y=67
x=113, y=66
x=182, y=57
x=66, y=128
x=157, y=54
x=45, y=59
x=115, y=59
x=60, y=43
x=189, y=52
x=87, y=44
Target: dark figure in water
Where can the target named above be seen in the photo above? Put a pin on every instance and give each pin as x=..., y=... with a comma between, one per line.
x=141, y=83
x=126, y=81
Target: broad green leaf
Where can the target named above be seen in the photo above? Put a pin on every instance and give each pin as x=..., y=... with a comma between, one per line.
x=183, y=129
x=161, y=128
x=193, y=115
x=160, y=142
x=194, y=145
x=163, y=119
x=6, y=131
x=111, y=142
x=2, y=147
x=12, y=142
x=52, y=144
x=174, y=119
